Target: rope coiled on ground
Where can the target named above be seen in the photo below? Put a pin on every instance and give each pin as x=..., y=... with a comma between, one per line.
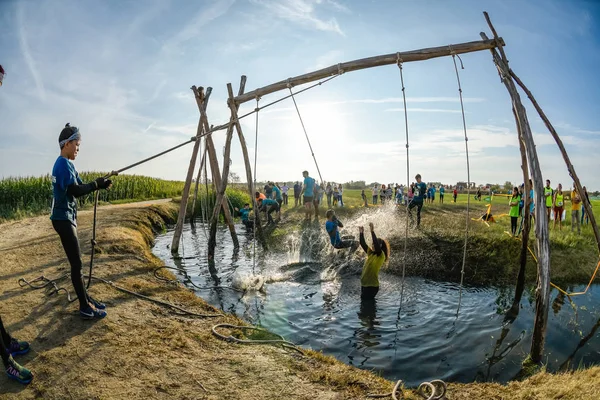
x=421, y=391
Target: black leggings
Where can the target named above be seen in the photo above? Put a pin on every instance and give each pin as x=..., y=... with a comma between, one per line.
x=368, y=292
x=4, y=343
x=70, y=242
x=513, y=224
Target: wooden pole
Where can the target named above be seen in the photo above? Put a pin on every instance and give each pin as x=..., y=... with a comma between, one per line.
x=249, y=178
x=212, y=239
x=520, y=286
x=202, y=99
x=563, y=151
x=542, y=302
x=377, y=61
x=214, y=166
x=198, y=178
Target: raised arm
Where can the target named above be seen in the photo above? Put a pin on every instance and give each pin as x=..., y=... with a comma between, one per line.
x=78, y=190
x=361, y=240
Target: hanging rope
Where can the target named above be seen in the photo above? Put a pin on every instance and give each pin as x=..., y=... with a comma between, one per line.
x=399, y=62
x=462, y=108
x=255, y=202
x=304, y=129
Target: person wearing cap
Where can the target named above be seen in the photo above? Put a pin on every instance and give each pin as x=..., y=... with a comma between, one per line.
x=67, y=187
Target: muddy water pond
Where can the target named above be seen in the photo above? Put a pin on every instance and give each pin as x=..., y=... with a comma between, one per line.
x=317, y=305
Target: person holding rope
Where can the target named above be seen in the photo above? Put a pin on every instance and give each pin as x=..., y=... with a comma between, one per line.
x=268, y=206
x=376, y=257
x=10, y=347
x=244, y=214
x=66, y=187
x=308, y=192
x=331, y=226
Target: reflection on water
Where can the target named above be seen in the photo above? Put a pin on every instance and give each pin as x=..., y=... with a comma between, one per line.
x=317, y=304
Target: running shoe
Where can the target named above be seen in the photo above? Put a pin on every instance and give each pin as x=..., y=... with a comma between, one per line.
x=96, y=303
x=17, y=348
x=17, y=372
x=92, y=313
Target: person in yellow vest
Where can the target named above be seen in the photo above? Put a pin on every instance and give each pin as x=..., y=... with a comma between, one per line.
x=549, y=195
x=514, y=213
x=559, y=206
x=575, y=209
x=376, y=257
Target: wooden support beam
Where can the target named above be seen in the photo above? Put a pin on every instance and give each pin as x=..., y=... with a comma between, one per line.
x=214, y=166
x=377, y=61
x=258, y=231
x=212, y=238
x=542, y=297
x=202, y=99
x=198, y=178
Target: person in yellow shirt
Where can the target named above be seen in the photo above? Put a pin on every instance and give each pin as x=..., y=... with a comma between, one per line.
x=376, y=257
x=549, y=196
x=575, y=209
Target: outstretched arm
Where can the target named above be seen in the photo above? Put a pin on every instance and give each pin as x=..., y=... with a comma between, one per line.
x=363, y=244
x=376, y=245
x=76, y=190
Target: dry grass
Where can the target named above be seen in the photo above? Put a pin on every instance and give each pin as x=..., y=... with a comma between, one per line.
x=142, y=351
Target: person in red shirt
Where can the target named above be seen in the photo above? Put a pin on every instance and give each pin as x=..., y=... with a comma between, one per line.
x=455, y=194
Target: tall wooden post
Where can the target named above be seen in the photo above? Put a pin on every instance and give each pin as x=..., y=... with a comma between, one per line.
x=212, y=238
x=542, y=295
x=249, y=178
x=202, y=100
x=214, y=166
x=520, y=286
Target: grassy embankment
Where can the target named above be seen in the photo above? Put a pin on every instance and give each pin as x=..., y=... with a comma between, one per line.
x=492, y=255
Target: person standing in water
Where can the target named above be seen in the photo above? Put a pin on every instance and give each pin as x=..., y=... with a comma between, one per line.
x=308, y=192
x=417, y=200
x=67, y=186
x=376, y=257
x=244, y=213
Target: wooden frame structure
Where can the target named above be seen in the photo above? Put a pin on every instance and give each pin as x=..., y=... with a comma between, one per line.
x=529, y=158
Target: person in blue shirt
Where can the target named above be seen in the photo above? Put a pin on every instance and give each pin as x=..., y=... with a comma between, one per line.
x=244, y=214
x=297, y=191
x=66, y=187
x=442, y=190
x=308, y=192
x=432, y=193
x=269, y=206
x=331, y=226
x=417, y=201
x=278, y=197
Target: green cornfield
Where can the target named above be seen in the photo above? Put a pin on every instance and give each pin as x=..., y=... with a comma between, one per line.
x=25, y=196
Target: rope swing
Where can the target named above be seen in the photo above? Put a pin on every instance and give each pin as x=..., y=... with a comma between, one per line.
x=255, y=202
x=399, y=63
x=289, y=86
x=462, y=109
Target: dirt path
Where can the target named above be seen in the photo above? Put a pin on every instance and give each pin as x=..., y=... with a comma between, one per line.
x=143, y=351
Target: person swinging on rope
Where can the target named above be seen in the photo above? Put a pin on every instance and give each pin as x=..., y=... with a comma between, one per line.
x=331, y=226
x=376, y=257
x=66, y=187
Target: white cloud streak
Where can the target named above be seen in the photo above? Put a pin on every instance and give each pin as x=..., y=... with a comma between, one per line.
x=26, y=51
x=301, y=12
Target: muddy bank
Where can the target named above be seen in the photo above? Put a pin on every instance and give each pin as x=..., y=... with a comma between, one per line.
x=143, y=351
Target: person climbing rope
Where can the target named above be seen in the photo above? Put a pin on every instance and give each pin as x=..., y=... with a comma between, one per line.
x=331, y=226
x=66, y=187
x=9, y=348
x=417, y=200
x=244, y=214
x=376, y=257
x=308, y=193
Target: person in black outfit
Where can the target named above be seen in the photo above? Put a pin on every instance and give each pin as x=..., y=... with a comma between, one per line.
x=10, y=347
x=67, y=186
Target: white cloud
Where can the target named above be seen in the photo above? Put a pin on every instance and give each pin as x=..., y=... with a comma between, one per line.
x=26, y=51
x=301, y=12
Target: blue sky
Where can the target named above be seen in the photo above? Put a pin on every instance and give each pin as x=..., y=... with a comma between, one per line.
x=121, y=71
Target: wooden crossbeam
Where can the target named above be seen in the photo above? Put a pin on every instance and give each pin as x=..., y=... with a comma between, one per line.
x=377, y=61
